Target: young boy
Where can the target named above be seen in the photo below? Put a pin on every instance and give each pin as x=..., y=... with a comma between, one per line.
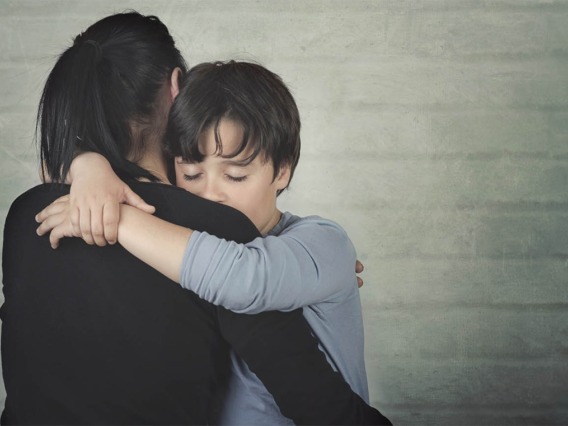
x=234, y=131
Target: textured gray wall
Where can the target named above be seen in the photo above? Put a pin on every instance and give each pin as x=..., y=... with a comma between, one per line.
x=436, y=132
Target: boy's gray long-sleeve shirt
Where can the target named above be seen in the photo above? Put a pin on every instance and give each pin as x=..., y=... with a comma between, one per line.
x=303, y=262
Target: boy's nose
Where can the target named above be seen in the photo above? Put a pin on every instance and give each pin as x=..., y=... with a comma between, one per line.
x=213, y=192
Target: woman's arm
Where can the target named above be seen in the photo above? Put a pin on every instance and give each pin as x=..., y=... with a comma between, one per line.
x=280, y=349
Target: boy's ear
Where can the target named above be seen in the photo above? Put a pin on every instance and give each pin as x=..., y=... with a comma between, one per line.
x=283, y=177
x=174, y=82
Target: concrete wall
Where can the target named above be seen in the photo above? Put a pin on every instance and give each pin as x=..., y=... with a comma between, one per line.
x=436, y=132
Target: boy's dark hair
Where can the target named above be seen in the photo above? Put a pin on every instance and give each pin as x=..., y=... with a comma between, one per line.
x=244, y=92
x=103, y=94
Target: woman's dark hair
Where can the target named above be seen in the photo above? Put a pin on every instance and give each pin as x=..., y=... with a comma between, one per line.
x=103, y=94
x=244, y=92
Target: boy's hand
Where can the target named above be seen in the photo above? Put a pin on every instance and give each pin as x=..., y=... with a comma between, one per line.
x=95, y=198
x=56, y=218
x=358, y=269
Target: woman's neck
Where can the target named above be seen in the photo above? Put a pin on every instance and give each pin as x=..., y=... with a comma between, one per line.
x=150, y=155
x=155, y=164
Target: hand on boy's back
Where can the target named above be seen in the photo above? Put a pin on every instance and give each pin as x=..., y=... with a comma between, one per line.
x=358, y=269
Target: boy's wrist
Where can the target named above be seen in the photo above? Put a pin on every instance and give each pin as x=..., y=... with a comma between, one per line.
x=86, y=161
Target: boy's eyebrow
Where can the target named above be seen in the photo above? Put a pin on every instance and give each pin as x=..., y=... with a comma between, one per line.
x=230, y=161
x=239, y=163
x=181, y=160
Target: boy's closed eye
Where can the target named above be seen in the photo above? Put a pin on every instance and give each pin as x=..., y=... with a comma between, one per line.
x=190, y=178
x=237, y=178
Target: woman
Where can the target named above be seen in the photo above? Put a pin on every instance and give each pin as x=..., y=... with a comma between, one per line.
x=70, y=324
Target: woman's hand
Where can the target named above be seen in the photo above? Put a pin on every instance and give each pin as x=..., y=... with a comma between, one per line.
x=57, y=219
x=95, y=198
x=358, y=269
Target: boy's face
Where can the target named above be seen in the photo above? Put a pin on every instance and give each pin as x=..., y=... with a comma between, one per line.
x=249, y=188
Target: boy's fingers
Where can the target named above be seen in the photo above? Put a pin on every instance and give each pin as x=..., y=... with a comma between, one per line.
x=97, y=224
x=111, y=214
x=62, y=199
x=54, y=208
x=75, y=220
x=134, y=200
x=85, y=225
x=359, y=282
x=55, y=236
x=49, y=223
x=43, y=228
x=97, y=228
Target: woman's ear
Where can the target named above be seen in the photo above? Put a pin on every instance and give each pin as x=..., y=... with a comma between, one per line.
x=174, y=82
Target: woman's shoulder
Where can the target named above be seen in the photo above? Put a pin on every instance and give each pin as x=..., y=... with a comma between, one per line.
x=183, y=208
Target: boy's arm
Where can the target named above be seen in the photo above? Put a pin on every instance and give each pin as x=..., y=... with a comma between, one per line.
x=156, y=242
x=95, y=195
x=310, y=265
x=278, y=346
x=310, y=262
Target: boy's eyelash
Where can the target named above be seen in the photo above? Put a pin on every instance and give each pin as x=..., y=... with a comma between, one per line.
x=191, y=177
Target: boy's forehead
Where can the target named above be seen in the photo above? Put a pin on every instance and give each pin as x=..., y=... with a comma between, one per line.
x=226, y=139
